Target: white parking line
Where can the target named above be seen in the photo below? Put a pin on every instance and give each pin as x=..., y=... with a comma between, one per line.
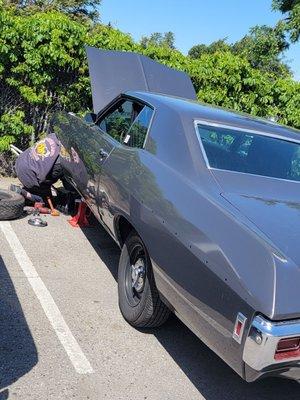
x=65, y=336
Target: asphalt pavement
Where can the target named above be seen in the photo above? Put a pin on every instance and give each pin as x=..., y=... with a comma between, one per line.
x=62, y=335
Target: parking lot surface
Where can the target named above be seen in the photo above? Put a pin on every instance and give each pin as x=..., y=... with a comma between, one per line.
x=62, y=335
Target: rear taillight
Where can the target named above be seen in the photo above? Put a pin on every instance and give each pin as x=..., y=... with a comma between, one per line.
x=287, y=348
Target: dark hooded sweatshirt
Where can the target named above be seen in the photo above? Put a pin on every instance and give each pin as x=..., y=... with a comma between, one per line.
x=35, y=163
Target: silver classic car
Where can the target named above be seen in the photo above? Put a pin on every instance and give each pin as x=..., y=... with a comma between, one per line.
x=203, y=202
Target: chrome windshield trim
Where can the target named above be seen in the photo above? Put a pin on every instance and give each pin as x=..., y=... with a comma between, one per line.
x=260, y=356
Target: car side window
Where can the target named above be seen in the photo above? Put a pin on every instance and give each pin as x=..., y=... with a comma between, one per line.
x=117, y=122
x=258, y=154
x=224, y=148
x=243, y=145
x=137, y=133
x=295, y=166
x=228, y=142
x=127, y=122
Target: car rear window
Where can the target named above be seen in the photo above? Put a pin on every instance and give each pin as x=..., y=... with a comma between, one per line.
x=240, y=151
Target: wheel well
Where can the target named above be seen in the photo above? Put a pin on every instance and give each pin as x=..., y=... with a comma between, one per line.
x=123, y=228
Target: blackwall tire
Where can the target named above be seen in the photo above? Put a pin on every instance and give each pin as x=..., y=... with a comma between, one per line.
x=139, y=299
x=11, y=205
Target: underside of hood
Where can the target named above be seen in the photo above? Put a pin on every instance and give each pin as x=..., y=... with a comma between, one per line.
x=115, y=72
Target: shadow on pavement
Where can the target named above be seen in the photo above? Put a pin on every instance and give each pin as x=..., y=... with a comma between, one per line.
x=208, y=373
x=105, y=247
x=18, y=353
x=4, y=395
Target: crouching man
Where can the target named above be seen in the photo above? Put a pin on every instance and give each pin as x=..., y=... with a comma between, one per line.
x=38, y=168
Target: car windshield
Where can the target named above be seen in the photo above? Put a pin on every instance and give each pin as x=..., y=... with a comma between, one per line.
x=234, y=150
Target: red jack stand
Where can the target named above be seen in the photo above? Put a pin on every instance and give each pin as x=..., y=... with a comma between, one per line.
x=80, y=219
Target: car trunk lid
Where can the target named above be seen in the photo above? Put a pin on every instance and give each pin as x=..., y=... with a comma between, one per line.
x=273, y=206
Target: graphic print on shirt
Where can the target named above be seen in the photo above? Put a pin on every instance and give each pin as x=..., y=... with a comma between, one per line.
x=43, y=149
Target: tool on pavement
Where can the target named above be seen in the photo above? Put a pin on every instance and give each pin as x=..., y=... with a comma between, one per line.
x=37, y=221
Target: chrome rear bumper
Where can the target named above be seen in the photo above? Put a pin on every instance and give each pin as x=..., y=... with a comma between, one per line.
x=261, y=344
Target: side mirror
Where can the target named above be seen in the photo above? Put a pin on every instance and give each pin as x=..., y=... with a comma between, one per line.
x=90, y=118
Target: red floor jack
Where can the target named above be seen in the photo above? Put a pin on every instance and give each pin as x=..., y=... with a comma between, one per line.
x=80, y=219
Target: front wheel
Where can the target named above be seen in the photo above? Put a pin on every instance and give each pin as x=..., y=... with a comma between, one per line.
x=139, y=299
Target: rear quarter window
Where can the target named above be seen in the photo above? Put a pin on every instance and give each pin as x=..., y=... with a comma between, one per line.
x=234, y=150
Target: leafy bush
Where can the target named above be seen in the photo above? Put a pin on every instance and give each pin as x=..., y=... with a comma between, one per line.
x=12, y=127
x=7, y=161
x=43, y=68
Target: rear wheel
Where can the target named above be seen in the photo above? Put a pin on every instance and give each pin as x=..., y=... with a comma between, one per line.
x=139, y=299
x=11, y=205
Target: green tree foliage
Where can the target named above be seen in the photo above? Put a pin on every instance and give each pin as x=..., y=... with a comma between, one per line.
x=291, y=9
x=11, y=126
x=219, y=45
x=263, y=48
x=41, y=64
x=166, y=39
x=78, y=8
x=228, y=80
x=43, y=68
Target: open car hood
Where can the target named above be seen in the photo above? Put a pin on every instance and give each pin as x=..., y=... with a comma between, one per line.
x=115, y=72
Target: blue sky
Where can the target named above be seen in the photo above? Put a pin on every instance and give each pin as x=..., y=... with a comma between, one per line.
x=194, y=21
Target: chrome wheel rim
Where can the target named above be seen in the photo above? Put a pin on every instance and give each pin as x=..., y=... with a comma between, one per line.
x=138, y=271
x=135, y=275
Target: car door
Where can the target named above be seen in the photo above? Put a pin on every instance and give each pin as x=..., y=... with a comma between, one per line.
x=84, y=150
x=126, y=124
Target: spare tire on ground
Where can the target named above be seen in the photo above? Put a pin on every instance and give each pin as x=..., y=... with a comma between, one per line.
x=11, y=204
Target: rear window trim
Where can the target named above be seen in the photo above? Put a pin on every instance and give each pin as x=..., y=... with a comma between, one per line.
x=198, y=122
